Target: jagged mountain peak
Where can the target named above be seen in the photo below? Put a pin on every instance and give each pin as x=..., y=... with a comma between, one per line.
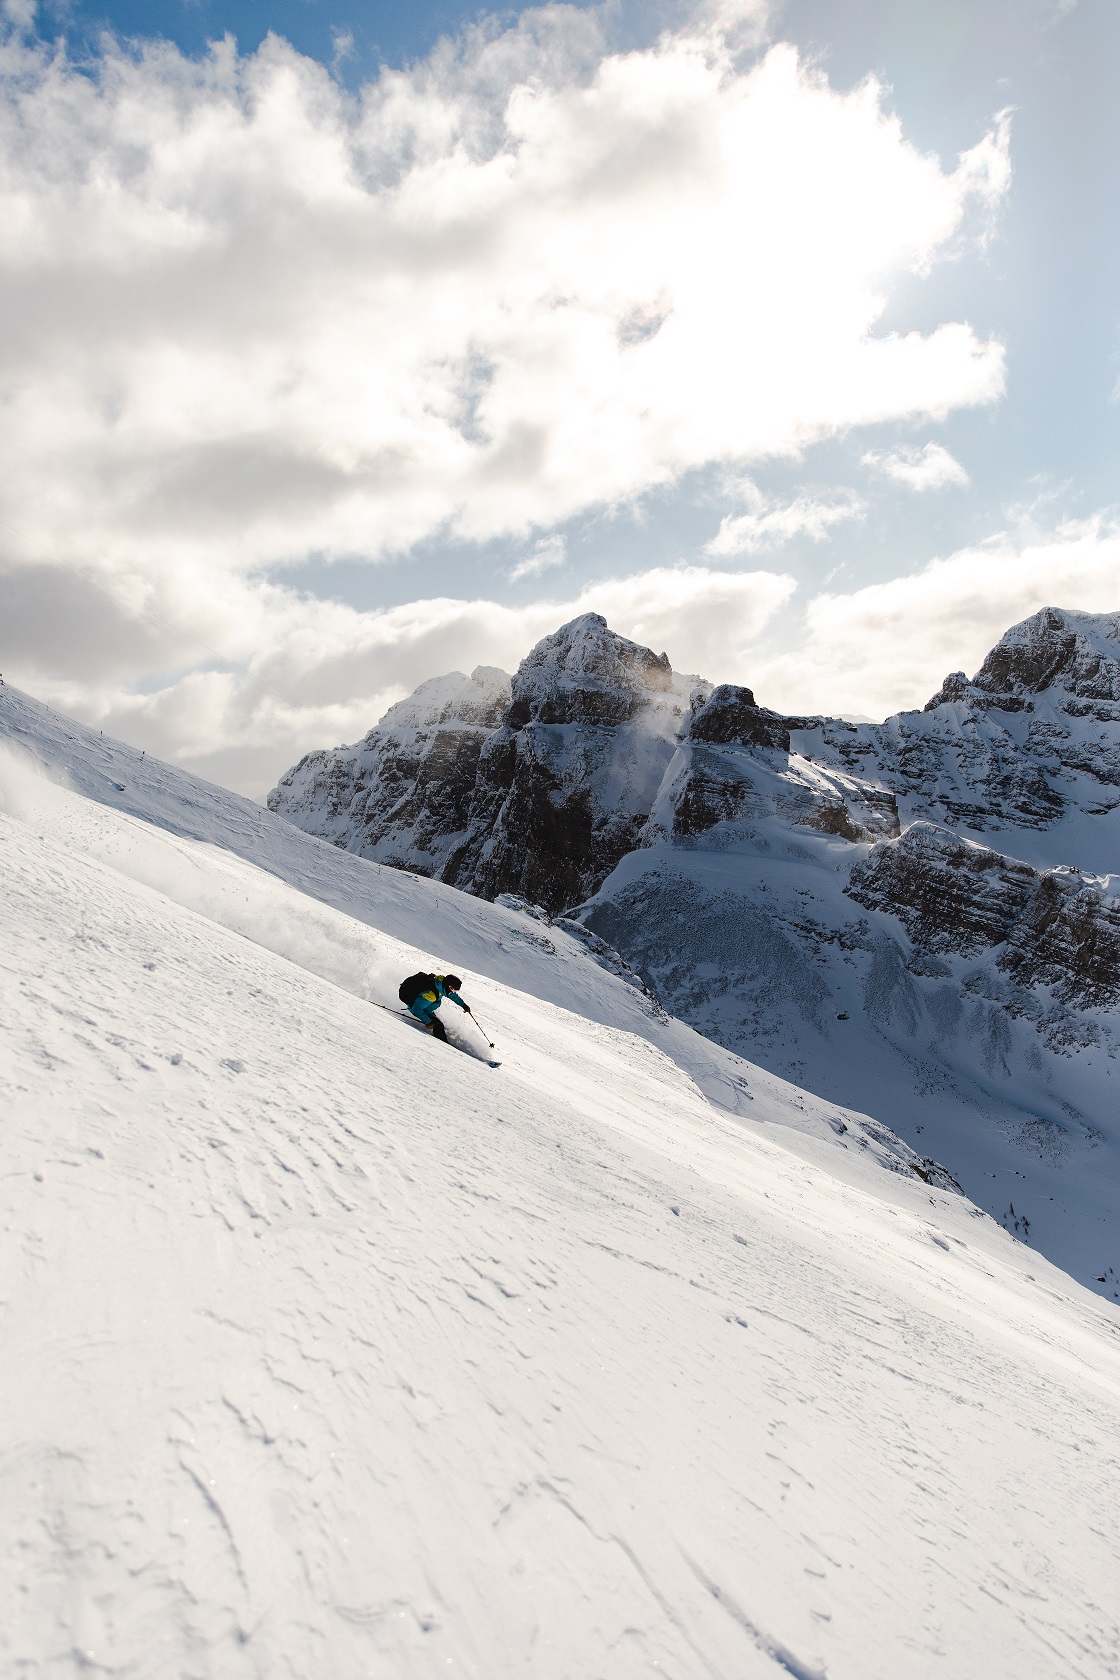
x=566, y=783
x=586, y=673
x=587, y=644
x=1055, y=647
x=403, y=793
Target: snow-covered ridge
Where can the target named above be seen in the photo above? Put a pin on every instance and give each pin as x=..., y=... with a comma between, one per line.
x=1078, y=653
x=329, y=1351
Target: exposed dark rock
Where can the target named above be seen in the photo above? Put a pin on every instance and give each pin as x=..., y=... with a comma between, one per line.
x=734, y=766
x=1069, y=939
x=1059, y=928
x=731, y=715
x=710, y=794
x=1053, y=648
x=536, y=788
x=1031, y=738
x=951, y=894
x=541, y=786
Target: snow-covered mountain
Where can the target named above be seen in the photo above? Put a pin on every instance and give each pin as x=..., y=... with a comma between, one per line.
x=914, y=918
x=549, y=777
x=330, y=1351
x=1028, y=752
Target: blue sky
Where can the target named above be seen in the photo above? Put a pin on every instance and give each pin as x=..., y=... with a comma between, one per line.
x=841, y=554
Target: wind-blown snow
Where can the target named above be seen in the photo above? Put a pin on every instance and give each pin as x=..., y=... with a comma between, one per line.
x=331, y=1352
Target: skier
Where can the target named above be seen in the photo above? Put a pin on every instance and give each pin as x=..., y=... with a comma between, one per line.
x=428, y=992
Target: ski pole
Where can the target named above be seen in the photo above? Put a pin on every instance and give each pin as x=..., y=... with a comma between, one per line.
x=481, y=1029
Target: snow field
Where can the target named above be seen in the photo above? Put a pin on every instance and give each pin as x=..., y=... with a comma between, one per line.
x=332, y=1352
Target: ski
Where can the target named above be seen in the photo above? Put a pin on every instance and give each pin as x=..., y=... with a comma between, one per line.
x=410, y=1020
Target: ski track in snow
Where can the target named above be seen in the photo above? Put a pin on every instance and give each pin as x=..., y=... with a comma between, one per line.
x=328, y=1352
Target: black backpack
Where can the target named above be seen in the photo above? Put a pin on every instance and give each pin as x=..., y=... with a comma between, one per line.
x=409, y=990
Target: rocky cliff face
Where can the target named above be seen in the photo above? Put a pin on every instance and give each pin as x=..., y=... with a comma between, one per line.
x=565, y=785
x=735, y=767
x=403, y=794
x=914, y=918
x=1058, y=929
x=540, y=785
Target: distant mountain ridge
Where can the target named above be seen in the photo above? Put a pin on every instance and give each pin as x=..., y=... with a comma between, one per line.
x=915, y=918
x=542, y=782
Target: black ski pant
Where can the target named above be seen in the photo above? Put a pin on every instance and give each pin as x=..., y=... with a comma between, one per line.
x=438, y=1029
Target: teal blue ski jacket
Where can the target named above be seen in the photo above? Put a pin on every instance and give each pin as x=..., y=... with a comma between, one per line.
x=428, y=1002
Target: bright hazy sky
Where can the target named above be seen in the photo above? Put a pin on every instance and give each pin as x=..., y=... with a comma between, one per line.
x=342, y=345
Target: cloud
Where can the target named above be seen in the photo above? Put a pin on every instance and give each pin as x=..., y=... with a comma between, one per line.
x=549, y=552
x=248, y=318
x=929, y=468
x=19, y=13
x=889, y=647
x=703, y=619
x=316, y=673
x=342, y=42
x=770, y=523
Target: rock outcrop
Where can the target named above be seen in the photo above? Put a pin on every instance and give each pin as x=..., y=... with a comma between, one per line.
x=535, y=787
x=1058, y=928
x=734, y=766
x=1078, y=653
x=539, y=786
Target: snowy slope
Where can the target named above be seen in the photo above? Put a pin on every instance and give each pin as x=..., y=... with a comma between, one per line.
x=886, y=914
x=925, y=977
x=332, y=1352
x=778, y=963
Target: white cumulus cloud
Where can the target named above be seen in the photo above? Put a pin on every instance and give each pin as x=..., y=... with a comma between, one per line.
x=320, y=672
x=769, y=522
x=929, y=468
